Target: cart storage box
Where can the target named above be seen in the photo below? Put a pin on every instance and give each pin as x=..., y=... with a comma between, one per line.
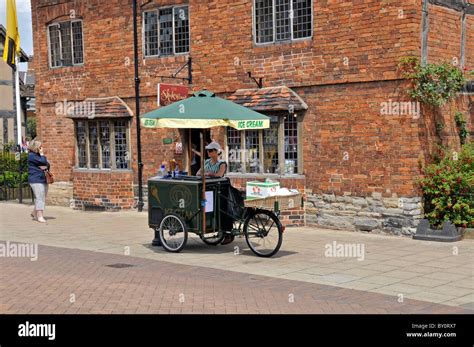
x=256, y=189
x=183, y=197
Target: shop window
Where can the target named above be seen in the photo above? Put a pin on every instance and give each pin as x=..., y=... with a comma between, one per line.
x=166, y=31
x=274, y=150
x=282, y=20
x=65, y=44
x=102, y=144
x=270, y=147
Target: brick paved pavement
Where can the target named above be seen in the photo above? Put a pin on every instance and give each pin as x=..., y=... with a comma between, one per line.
x=49, y=284
x=427, y=271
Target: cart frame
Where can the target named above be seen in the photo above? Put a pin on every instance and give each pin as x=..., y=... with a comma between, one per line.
x=261, y=227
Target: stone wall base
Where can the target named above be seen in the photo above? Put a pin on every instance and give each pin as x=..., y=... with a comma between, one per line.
x=145, y=196
x=60, y=194
x=395, y=215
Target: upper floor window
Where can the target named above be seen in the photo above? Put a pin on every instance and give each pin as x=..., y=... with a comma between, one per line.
x=166, y=31
x=282, y=20
x=65, y=44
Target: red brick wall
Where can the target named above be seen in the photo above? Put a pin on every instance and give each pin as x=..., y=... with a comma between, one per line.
x=444, y=37
x=469, y=60
x=382, y=151
x=345, y=122
x=57, y=134
x=112, y=190
x=343, y=116
x=341, y=30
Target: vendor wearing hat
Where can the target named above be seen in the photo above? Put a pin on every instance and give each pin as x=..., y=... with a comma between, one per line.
x=214, y=167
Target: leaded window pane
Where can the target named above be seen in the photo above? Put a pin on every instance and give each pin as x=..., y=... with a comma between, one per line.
x=181, y=29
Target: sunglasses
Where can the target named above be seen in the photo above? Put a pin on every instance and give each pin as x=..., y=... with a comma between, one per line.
x=210, y=150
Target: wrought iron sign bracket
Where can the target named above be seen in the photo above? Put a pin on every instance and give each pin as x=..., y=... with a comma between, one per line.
x=259, y=82
x=189, y=64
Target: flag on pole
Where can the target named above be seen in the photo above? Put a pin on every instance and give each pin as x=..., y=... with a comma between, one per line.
x=12, y=41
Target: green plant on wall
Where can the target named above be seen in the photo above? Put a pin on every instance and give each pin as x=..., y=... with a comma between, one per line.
x=31, y=128
x=461, y=125
x=448, y=188
x=432, y=84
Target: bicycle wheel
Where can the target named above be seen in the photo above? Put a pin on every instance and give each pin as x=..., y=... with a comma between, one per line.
x=263, y=233
x=173, y=233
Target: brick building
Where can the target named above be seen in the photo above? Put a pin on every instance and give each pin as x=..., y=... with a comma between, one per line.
x=327, y=68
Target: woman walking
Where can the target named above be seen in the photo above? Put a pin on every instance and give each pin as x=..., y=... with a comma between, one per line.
x=37, y=164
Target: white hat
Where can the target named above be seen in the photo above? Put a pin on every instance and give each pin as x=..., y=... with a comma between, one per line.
x=214, y=145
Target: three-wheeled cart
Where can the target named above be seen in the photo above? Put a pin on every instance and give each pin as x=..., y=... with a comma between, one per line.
x=208, y=207
x=176, y=209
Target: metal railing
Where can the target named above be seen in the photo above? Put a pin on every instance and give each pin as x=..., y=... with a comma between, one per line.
x=14, y=176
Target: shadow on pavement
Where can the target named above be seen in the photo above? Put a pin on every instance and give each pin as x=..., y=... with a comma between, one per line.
x=197, y=246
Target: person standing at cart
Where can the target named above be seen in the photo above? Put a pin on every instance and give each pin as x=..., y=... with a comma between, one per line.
x=215, y=167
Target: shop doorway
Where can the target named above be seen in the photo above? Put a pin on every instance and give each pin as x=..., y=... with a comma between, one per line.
x=194, y=142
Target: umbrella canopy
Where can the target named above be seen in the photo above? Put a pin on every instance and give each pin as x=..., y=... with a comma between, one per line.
x=205, y=110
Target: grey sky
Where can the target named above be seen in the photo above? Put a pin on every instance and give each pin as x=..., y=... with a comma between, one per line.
x=23, y=8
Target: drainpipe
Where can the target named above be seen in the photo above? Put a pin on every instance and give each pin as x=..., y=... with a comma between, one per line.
x=137, y=107
x=462, y=59
x=424, y=34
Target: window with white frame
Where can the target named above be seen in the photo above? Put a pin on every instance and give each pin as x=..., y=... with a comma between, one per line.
x=102, y=144
x=65, y=44
x=282, y=20
x=275, y=150
x=166, y=31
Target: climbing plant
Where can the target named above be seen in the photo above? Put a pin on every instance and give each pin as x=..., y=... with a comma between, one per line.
x=432, y=84
x=461, y=125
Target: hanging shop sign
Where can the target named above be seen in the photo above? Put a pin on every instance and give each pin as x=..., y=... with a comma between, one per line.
x=169, y=93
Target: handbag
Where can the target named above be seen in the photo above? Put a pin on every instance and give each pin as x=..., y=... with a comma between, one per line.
x=49, y=177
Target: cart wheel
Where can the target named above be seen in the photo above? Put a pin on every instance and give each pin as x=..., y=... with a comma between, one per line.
x=173, y=233
x=213, y=241
x=263, y=233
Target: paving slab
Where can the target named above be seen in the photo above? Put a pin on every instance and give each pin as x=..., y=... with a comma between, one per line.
x=388, y=261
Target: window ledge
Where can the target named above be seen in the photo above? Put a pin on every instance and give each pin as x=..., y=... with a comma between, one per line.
x=84, y=170
x=173, y=58
x=66, y=66
x=288, y=42
x=261, y=176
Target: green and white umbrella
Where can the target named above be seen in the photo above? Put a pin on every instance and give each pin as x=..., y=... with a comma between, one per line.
x=205, y=110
